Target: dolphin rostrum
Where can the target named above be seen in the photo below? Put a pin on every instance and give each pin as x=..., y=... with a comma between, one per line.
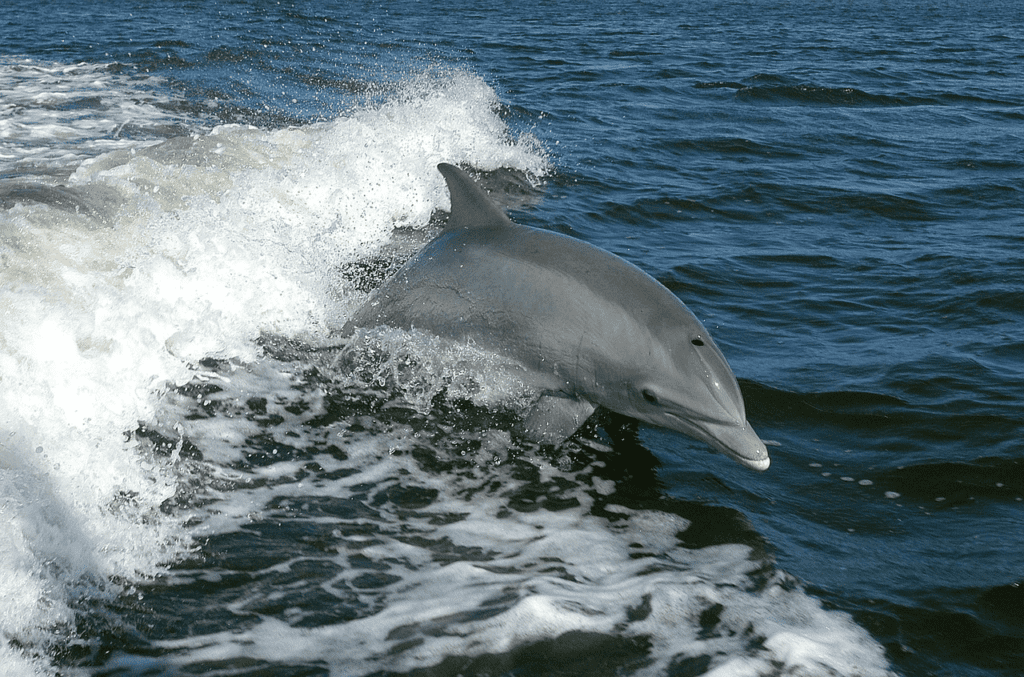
x=587, y=327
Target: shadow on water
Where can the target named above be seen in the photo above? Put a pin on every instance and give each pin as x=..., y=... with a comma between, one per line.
x=981, y=631
x=573, y=653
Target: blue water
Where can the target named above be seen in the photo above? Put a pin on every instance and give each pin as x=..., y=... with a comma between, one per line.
x=193, y=485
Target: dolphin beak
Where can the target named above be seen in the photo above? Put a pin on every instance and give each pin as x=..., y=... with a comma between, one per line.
x=737, y=441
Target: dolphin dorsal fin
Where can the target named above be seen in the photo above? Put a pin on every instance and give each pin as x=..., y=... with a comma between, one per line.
x=471, y=208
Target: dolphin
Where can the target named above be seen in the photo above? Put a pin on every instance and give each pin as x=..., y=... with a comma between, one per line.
x=588, y=328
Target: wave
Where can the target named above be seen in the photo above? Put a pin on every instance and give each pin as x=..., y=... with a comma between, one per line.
x=769, y=88
x=806, y=93
x=936, y=422
x=991, y=479
x=971, y=617
x=759, y=202
x=127, y=263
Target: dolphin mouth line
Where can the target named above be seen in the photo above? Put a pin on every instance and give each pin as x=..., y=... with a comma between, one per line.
x=746, y=440
x=692, y=418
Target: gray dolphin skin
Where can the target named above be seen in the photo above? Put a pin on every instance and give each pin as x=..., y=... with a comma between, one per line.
x=588, y=328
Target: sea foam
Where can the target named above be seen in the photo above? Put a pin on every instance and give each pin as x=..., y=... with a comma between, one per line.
x=127, y=262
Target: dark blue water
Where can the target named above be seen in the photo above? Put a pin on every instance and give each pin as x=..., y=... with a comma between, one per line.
x=835, y=189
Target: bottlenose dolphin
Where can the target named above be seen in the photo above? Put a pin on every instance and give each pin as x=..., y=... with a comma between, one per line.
x=587, y=327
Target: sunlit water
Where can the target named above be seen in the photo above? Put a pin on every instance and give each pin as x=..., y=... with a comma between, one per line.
x=197, y=478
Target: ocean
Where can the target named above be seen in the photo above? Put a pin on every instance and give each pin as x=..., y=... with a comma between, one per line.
x=199, y=477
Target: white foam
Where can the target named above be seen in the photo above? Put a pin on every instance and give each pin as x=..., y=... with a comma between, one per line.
x=191, y=247
x=528, y=575
x=54, y=115
x=555, y=573
x=422, y=366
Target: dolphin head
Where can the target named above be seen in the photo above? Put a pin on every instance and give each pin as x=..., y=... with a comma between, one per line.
x=689, y=387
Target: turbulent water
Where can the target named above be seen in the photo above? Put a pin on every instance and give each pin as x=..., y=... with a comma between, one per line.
x=198, y=477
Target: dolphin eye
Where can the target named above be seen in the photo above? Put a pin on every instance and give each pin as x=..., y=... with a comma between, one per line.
x=697, y=341
x=649, y=396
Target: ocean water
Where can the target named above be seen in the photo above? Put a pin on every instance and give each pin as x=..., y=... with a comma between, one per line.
x=196, y=479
